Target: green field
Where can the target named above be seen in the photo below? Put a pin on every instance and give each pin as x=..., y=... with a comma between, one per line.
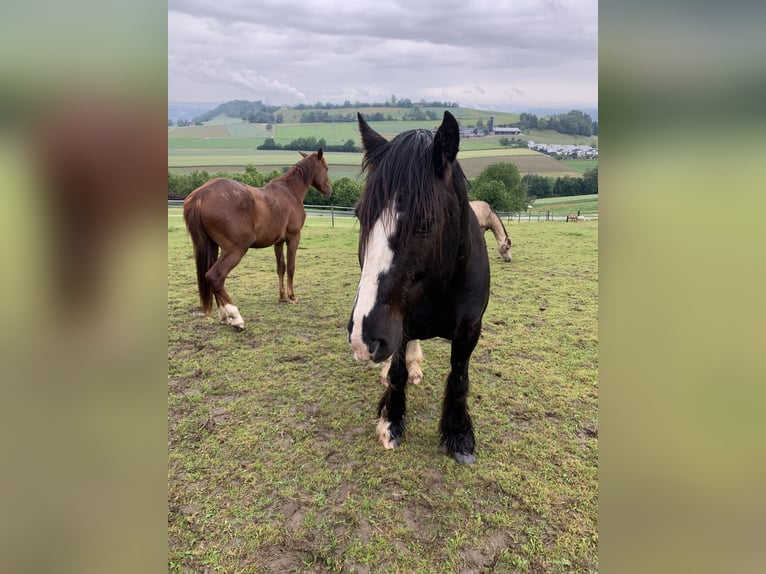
x=586, y=204
x=580, y=165
x=229, y=144
x=340, y=163
x=273, y=462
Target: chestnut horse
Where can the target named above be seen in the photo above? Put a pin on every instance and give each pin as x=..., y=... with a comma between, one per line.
x=235, y=217
x=488, y=219
x=425, y=272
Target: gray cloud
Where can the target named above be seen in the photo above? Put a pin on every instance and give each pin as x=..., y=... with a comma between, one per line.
x=543, y=52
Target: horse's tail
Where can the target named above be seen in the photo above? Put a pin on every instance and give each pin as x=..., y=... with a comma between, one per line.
x=205, y=249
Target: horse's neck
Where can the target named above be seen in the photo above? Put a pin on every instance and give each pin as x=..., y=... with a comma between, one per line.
x=297, y=180
x=497, y=227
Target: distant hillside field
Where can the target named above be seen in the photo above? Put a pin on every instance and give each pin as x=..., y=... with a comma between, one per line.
x=228, y=144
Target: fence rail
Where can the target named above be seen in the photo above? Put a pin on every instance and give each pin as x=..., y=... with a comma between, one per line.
x=507, y=216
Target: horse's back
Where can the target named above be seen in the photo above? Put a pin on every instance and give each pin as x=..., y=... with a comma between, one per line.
x=226, y=210
x=481, y=210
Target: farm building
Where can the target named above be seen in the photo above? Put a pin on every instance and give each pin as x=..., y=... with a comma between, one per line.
x=506, y=131
x=501, y=131
x=470, y=133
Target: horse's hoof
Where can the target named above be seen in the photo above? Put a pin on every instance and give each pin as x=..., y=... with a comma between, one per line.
x=385, y=436
x=464, y=457
x=392, y=444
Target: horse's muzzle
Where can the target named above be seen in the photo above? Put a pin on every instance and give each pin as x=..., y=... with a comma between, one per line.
x=361, y=353
x=376, y=352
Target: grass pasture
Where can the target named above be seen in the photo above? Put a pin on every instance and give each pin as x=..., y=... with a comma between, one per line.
x=273, y=461
x=566, y=205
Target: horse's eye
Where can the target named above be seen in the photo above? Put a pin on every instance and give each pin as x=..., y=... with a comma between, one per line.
x=425, y=227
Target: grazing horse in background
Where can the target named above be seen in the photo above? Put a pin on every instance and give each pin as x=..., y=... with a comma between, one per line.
x=488, y=219
x=235, y=217
x=424, y=271
x=572, y=217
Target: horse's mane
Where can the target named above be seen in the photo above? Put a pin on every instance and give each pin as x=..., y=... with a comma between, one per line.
x=301, y=168
x=402, y=171
x=494, y=216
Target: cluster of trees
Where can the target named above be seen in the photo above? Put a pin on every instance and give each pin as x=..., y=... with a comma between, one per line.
x=504, y=189
x=182, y=123
x=243, y=109
x=512, y=142
x=538, y=186
x=575, y=123
x=499, y=184
x=393, y=102
x=345, y=193
x=182, y=184
x=378, y=117
x=413, y=113
x=264, y=117
x=417, y=114
x=322, y=116
x=309, y=144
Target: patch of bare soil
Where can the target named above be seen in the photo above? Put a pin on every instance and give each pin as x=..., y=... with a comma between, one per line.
x=484, y=558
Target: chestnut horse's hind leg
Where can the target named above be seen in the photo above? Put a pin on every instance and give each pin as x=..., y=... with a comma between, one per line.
x=292, y=249
x=279, y=252
x=216, y=275
x=455, y=426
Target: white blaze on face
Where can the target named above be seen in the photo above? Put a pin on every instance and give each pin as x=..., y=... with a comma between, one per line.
x=377, y=260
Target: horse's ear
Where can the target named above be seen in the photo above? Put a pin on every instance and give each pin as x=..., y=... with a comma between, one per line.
x=446, y=142
x=303, y=154
x=320, y=153
x=370, y=138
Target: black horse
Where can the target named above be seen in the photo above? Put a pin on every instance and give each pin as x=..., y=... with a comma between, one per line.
x=425, y=271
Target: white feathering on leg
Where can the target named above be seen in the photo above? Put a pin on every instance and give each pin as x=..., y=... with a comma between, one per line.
x=384, y=433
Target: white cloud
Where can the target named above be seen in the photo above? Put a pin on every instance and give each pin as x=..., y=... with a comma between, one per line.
x=534, y=53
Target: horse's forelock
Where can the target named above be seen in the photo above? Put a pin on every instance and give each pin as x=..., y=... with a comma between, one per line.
x=402, y=172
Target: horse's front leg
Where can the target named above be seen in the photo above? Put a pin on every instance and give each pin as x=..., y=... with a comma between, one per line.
x=455, y=426
x=279, y=252
x=392, y=405
x=292, y=250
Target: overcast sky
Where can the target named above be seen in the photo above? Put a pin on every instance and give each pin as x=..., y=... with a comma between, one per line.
x=498, y=54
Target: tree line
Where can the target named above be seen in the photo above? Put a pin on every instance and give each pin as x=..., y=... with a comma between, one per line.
x=309, y=143
x=393, y=102
x=574, y=123
x=539, y=186
x=414, y=113
x=499, y=184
